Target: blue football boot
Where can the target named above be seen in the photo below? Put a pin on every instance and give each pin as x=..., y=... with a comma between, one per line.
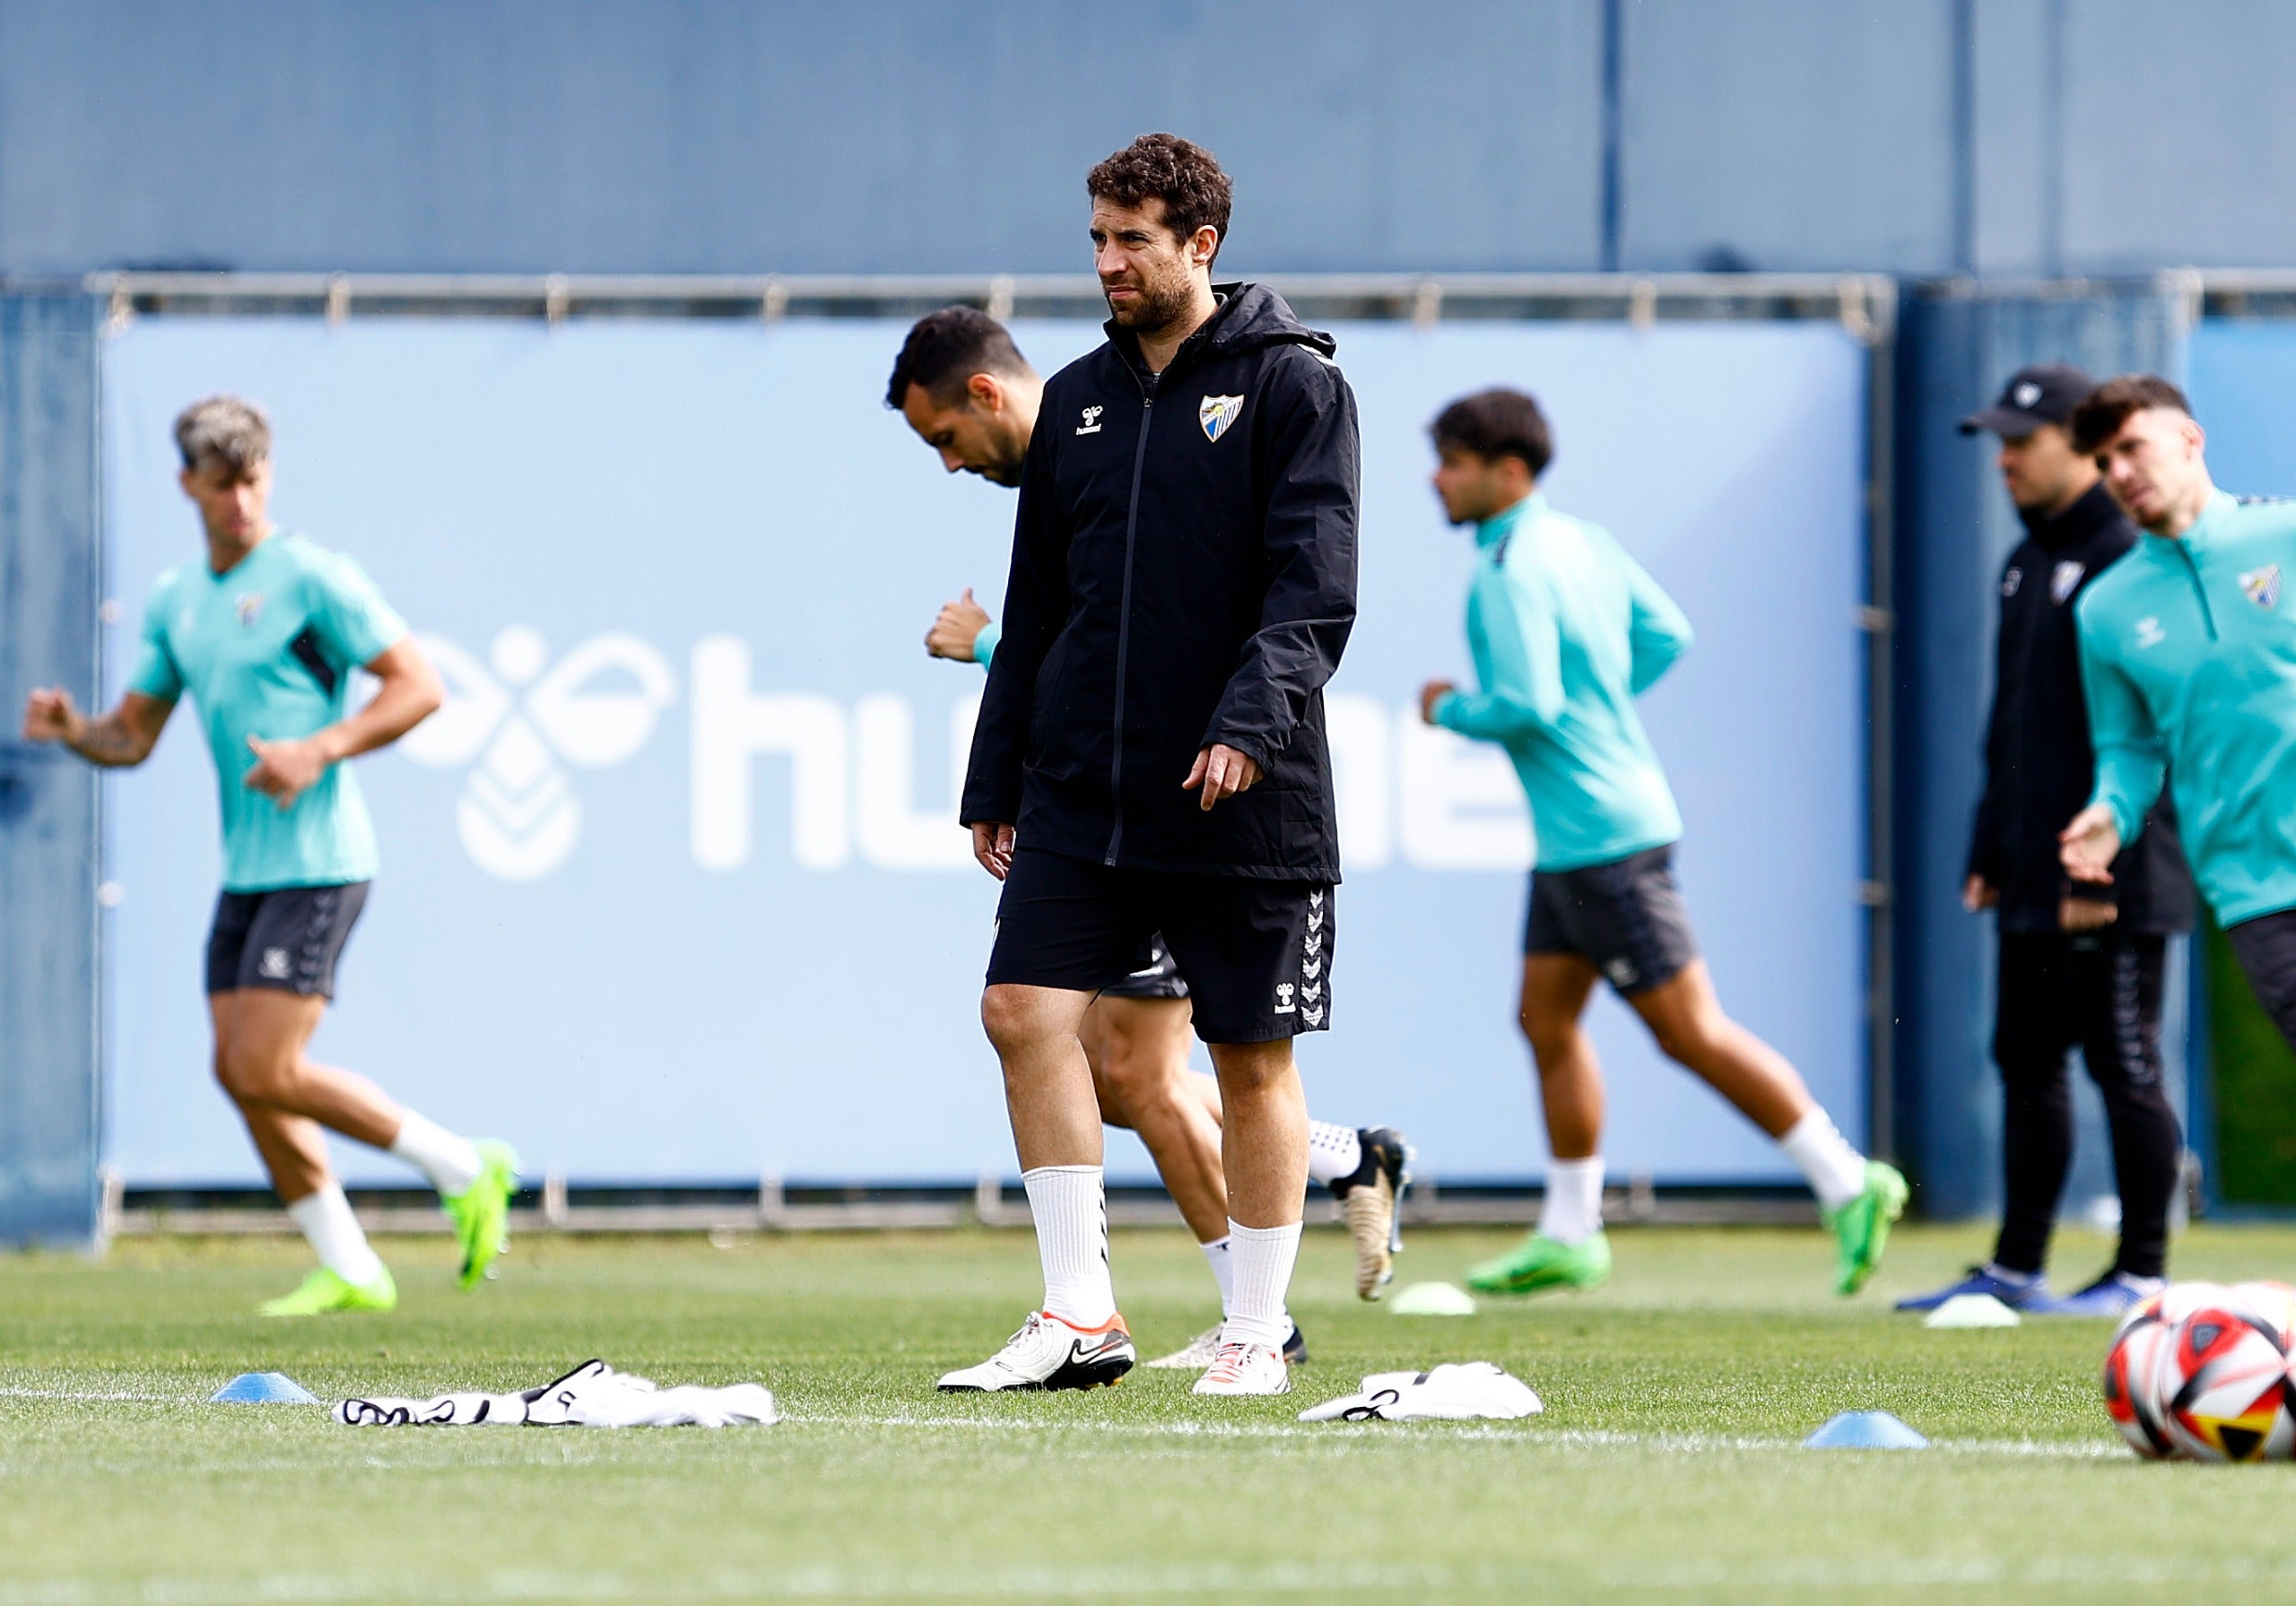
x=2114, y=1293
x=2029, y=1294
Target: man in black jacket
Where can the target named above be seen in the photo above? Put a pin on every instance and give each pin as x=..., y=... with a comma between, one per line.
x=2080, y=965
x=1150, y=753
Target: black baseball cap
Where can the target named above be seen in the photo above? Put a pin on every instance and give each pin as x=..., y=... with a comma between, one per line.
x=2043, y=394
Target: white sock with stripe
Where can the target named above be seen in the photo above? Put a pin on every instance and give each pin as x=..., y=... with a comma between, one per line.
x=1070, y=1206
x=1264, y=1257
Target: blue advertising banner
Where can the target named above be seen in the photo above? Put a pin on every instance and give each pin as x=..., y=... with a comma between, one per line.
x=672, y=889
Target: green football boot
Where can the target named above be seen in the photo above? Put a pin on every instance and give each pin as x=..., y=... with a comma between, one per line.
x=323, y=1292
x=480, y=1212
x=1538, y=1263
x=1862, y=1226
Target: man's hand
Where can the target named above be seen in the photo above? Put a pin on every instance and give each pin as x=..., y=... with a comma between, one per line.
x=1223, y=772
x=285, y=770
x=1431, y=693
x=2089, y=845
x=1979, y=894
x=992, y=844
x=49, y=716
x=956, y=629
x=2078, y=914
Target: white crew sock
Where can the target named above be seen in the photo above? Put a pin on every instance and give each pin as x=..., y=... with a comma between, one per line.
x=335, y=1235
x=451, y=1163
x=1070, y=1205
x=1264, y=1257
x=1571, y=1212
x=1836, y=1171
x=1220, y=1252
x=1333, y=1152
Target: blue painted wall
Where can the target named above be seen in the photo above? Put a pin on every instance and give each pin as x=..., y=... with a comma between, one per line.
x=1925, y=137
x=50, y=584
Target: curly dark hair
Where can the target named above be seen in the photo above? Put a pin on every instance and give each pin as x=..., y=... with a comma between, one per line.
x=1497, y=423
x=1183, y=176
x=2100, y=416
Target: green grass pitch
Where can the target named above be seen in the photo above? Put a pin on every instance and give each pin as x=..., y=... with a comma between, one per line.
x=1666, y=1467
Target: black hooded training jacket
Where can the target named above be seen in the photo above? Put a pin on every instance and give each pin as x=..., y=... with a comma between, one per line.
x=2038, y=766
x=1183, y=574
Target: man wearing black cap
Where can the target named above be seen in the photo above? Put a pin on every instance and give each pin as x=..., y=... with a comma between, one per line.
x=2080, y=964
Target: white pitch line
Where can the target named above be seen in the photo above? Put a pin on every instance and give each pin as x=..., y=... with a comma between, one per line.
x=1577, y=1438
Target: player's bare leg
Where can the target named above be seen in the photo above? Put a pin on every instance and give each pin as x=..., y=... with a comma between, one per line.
x=285, y=1096
x=1138, y=1049
x=1263, y=1145
x=1568, y=1249
x=1686, y=1018
x=1076, y=1339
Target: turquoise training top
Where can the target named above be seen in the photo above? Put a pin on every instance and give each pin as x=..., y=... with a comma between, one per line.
x=266, y=649
x=2189, y=656
x=1566, y=631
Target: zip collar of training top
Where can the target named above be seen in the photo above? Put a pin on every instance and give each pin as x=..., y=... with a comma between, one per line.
x=2092, y=511
x=2199, y=535
x=1490, y=534
x=1248, y=316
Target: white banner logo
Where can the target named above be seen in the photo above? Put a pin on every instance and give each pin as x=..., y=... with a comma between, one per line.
x=517, y=816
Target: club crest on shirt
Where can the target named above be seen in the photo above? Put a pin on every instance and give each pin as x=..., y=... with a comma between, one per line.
x=249, y=606
x=2065, y=579
x=2262, y=585
x=1216, y=413
x=2011, y=581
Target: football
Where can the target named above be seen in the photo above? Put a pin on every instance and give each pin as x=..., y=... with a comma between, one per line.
x=2201, y=1372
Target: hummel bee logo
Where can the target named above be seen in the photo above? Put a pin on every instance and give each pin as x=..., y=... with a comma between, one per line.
x=1286, y=1004
x=1092, y=424
x=2149, y=632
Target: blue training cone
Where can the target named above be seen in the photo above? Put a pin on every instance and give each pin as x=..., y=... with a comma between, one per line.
x=263, y=1388
x=1866, y=1431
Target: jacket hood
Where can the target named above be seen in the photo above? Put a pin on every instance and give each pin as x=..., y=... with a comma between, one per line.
x=1249, y=315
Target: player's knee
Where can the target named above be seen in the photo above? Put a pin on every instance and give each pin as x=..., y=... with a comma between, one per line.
x=1009, y=1019
x=1550, y=1039
x=254, y=1072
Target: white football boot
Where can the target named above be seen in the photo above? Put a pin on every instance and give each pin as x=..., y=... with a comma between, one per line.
x=1247, y=1369
x=1204, y=1348
x=1050, y=1353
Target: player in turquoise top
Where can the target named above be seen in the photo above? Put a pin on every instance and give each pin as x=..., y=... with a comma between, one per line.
x=2188, y=658
x=1566, y=630
x=263, y=636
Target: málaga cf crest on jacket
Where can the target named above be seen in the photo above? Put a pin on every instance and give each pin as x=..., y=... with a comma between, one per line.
x=1183, y=574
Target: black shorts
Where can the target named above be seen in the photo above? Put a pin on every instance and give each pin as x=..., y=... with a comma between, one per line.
x=2265, y=948
x=1626, y=919
x=1256, y=955
x=1159, y=979
x=287, y=939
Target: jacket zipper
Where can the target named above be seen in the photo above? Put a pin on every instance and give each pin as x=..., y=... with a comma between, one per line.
x=2192, y=568
x=1124, y=614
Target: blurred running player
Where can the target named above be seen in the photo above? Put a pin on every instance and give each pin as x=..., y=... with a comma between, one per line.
x=1566, y=631
x=969, y=392
x=2189, y=663
x=264, y=636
